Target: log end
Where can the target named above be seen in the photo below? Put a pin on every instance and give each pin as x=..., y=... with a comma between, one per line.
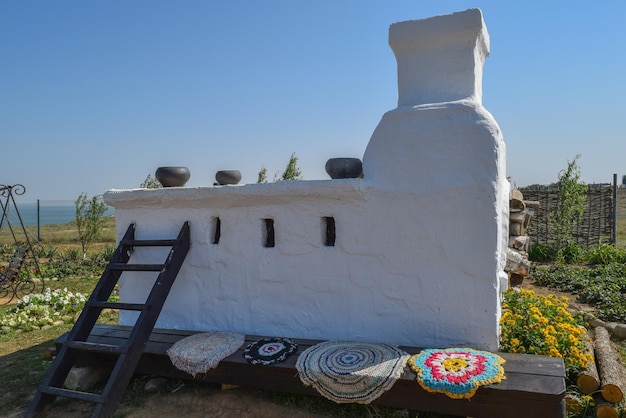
x=606, y=411
x=587, y=384
x=612, y=393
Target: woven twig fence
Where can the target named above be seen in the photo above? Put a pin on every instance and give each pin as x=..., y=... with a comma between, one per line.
x=596, y=226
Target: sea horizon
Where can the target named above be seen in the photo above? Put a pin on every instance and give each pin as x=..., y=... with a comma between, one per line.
x=50, y=213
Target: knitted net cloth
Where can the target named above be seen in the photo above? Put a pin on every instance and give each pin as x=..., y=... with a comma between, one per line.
x=268, y=351
x=457, y=372
x=199, y=353
x=347, y=372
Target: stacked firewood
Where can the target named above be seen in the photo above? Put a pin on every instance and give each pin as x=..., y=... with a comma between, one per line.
x=604, y=378
x=520, y=213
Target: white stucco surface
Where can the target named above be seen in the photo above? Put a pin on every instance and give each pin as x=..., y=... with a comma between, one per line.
x=420, y=240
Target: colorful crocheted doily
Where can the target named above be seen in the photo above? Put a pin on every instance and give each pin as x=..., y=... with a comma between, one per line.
x=457, y=372
x=199, y=353
x=346, y=372
x=268, y=351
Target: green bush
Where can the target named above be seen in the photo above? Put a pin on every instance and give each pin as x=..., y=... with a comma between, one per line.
x=542, y=253
x=606, y=254
x=572, y=253
x=107, y=252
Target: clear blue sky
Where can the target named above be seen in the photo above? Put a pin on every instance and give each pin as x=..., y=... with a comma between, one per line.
x=97, y=95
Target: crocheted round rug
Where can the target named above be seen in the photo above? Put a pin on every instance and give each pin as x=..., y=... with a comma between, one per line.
x=199, y=353
x=268, y=351
x=457, y=372
x=346, y=372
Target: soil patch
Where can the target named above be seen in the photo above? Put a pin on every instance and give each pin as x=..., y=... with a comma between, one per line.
x=574, y=305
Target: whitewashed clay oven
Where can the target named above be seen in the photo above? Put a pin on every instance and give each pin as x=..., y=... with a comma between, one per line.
x=420, y=241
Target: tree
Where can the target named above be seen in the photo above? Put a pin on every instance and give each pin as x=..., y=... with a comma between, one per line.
x=89, y=220
x=262, y=178
x=572, y=204
x=150, y=183
x=292, y=171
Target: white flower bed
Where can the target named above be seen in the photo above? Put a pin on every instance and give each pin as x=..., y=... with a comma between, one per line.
x=37, y=310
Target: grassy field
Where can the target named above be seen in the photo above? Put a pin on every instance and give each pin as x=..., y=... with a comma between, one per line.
x=61, y=235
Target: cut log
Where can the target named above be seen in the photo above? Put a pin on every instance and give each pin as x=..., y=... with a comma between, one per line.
x=517, y=218
x=515, y=280
x=593, y=321
x=516, y=229
x=589, y=381
x=532, y=204
x=517, y=201
x=604, y=409
x=609, y=367
x=519, y=243
x=529, y=216
x=516, y=263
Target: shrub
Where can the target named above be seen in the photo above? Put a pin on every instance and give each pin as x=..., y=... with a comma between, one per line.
x=571, y=253
x=542, y=253
x=606, y=254
x=542, y=325
x=72, y=255
x=107, y=252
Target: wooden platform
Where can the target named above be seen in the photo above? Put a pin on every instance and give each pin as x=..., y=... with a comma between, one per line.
x=534, y=385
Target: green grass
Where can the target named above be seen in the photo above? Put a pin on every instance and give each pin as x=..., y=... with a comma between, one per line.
x=62, y=235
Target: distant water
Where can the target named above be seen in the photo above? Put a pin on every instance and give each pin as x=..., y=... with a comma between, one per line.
x=50, y=212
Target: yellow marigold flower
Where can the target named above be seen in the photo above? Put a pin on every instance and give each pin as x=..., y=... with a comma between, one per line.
x=563, y=311
x=554, y=353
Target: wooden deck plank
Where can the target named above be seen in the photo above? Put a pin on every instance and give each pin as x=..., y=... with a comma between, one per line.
x=534, y=385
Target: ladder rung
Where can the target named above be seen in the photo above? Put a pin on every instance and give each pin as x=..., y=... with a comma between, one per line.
x=83, y=396
x=117, y=305
x=149, y=242
x=135, y=267
x=96, y=347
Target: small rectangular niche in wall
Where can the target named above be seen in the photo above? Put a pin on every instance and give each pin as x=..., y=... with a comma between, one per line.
x=217, y=230
x=268, y=233
x=328, y=225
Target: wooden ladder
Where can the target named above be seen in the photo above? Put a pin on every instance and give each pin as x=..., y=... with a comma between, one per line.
x=128, y=354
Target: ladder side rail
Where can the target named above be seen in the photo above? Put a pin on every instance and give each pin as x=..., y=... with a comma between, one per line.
x=131, y=351
x=156, y=299
x=122, y=373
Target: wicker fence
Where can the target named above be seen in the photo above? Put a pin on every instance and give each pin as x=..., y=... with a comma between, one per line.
x=597, y=226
